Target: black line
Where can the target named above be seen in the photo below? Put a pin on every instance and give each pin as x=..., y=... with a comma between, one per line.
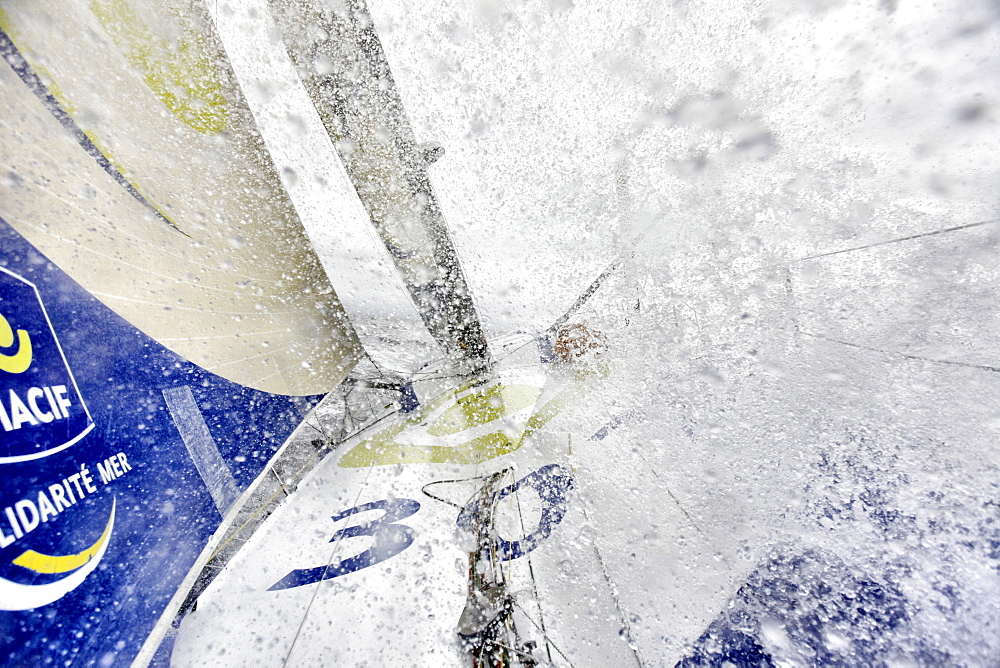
x=583, y=298
x=896, y=241
x=21, y=67
x=595, y=286
x=632, y=644
x=981, y=367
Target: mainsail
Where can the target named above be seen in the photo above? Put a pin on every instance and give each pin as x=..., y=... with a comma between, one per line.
x=170, y=210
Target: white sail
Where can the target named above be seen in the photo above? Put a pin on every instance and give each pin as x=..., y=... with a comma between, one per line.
x=172, y=214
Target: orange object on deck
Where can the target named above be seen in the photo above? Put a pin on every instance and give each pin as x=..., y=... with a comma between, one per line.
x=576, y=340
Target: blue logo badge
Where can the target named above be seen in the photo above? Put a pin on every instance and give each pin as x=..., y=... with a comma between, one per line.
x=41, y=410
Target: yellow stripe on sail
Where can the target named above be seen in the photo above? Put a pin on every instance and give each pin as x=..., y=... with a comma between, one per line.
x=182, y=73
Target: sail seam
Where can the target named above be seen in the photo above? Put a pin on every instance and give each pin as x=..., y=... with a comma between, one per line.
x=20, y=65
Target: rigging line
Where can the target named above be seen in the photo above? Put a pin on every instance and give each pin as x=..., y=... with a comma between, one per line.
x=344, y=417
x=501, y=576
x=585, y=296
x=354, y=420
x=506, y=578
x=534, y=582
x=438, y=498
x=632, y=644
x=372, y=360
x=811, y=257
x=676, y=500
x=368, y=398
x=900, y=239
x=329, y=562
x=295, y=478
x=479, y=657
x=514, y=350
x=489, y=477
x=281, y=489
x=444, y=377
x=593, y=287
x=366, y=427
x=981, y=367
x=681, y=506
x=21, y=67
x=348, y=417
x=318, y=429
x=493, y=482
x=520, y=653
x=495, y=487
x=547, y=639
x=442, y=482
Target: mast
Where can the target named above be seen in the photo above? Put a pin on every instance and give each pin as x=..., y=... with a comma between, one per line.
x=343, y=67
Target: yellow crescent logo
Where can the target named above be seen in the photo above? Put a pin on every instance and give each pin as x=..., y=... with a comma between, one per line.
x=54, y=565
x=19, y=361
x=17, y=596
